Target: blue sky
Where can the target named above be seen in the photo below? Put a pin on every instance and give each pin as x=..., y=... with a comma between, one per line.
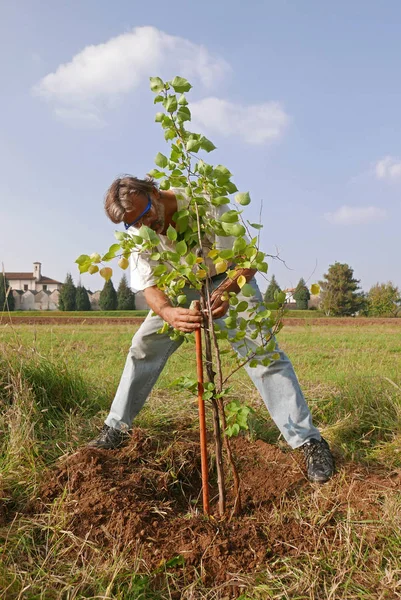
x=302, y=100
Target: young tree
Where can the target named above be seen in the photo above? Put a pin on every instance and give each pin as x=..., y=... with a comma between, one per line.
x=272, y=290
x=82, y=299
x=67, y=298
x=206, y=187
x=108, y=297
x=301, y=295
x=384, y=300
x=6, y=294
x=340, y=291
x=125, y=296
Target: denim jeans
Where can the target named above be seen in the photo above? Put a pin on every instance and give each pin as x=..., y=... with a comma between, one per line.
x=277, y=383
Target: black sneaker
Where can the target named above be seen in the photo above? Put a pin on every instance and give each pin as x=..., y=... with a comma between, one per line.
x=319, y=460
x=110, y=438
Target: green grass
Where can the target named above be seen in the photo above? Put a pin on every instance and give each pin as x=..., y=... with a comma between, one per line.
x=78, y=313
x=56, y=384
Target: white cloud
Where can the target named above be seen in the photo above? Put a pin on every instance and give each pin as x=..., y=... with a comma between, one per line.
x=99, y=75
x=255, y=124
x=352, y=215
x=388, y=167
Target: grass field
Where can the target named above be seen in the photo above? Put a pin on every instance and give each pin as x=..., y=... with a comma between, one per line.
x=56, y=383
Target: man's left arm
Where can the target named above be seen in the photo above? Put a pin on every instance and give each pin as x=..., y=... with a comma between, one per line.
x=219, y=306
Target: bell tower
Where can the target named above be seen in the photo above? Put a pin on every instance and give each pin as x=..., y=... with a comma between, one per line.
x=37, y=270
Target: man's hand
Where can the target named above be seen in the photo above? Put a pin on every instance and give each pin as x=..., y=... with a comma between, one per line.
x=184, y=319
x=219, y=306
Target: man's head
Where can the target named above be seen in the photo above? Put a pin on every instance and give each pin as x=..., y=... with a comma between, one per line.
x=135, y=202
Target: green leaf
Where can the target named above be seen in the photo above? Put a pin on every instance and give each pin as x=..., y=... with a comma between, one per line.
x=220, y=200
x=239, y=246
x=262, y=267
x=156, y=174
x=161, y=160
x=171, y=233
x=159, y=117
x=182, y=101
x=181, y=248
x=221, y=172
x=180, y=85
x=193, y=145
x=164, y=185
x=181, y=299
x=82, y=259
x=171, y=104
x=231, y=187
x=280, y=297
x=256, y=225
x=247, y=290
x=226, y=254
x=234, y=229
x=114, y=248
x=243, y=198
x=148, y=234
x=191, y=259
x=183, y=114
x=159, y=270
x=231, y=216
x=156, y=84
x=242, y=306
x=207, y=145
x=158, y=99
x=231, y=322
x=181, y=224
x=169, y=134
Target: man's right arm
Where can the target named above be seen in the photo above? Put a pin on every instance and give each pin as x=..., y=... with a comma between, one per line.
x=184, y=319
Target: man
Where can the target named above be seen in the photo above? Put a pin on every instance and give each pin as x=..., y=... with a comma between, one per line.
x=137, y=202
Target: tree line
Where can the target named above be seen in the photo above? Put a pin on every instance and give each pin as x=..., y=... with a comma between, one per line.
x=341, y=295
x=77, y=298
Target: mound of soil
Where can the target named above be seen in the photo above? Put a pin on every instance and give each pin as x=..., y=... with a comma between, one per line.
x=147, y=497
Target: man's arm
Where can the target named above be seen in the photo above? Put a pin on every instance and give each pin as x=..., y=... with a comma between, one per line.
x=184, y=319
x=219, y=306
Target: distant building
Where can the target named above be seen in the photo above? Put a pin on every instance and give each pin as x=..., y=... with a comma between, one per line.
x=34, y=291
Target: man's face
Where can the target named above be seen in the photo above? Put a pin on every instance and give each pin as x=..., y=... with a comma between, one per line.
x=153, y=218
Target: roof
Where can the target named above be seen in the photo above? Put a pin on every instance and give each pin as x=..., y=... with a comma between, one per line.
x=10, y=276
x=31, y=277
x=44, y=279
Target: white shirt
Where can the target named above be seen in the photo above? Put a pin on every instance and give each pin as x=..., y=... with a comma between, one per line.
x=141, y=264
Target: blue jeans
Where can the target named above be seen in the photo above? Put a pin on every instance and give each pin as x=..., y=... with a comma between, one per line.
x=277, y=383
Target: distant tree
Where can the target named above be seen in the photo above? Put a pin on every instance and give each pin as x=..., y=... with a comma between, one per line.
x=125, y=296
x=108, y=297
x=67, y=298
x=340, y=292
x=6, y=294
x=271, y=290
x=301, y=295
x=384, y=300
x=82, y=299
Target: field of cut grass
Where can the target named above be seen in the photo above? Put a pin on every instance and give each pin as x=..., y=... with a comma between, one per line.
x=76, y=313
x=56, y=384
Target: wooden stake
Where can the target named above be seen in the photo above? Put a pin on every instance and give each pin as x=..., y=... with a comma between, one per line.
x=202, y=422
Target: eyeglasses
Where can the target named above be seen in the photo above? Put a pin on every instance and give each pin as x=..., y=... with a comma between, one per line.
x=147, y=209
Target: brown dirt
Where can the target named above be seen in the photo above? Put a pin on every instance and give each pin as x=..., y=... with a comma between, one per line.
x=146, y=498
x=56, y=320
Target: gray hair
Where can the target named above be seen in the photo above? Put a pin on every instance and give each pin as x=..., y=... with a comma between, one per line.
x=118, y=198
